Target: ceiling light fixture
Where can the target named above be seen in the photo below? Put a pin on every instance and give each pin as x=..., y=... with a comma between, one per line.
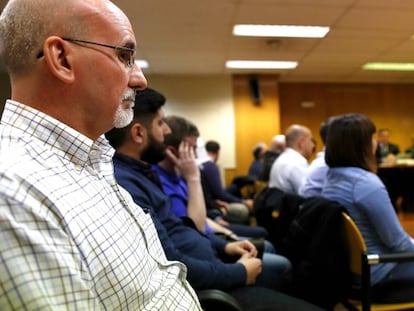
x=142, y=63
x=389, y=66
x=257, y=64
x=280, y=31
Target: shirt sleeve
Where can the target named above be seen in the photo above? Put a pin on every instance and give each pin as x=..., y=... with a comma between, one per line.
x=297, y=176
x=211, y=175
x=373, y=198
x=203, y=273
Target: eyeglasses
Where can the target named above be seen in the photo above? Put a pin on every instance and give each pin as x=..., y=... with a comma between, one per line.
x=128, y=55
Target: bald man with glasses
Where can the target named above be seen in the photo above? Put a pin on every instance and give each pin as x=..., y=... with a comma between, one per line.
x=71, y=238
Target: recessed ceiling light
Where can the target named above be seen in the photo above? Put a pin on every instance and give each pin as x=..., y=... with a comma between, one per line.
x=389, y=66
x=257, y=64
x=142, y=63
x=280, y=31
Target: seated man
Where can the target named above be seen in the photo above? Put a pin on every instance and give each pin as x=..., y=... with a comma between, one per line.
x=277, y=146
x=259, y=151
x=289, y=169
x=316, y=174
x=386, y=151
x=238, y=209
x=187, y=195
x=227, y=214
x=71, y=238
x=140, y=144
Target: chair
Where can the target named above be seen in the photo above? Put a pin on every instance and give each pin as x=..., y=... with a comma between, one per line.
x=214, y=299
x=359, y=265
x=259, y=185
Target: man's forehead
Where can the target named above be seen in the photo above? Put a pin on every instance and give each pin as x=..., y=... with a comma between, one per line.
x=108, y=19
x=160, y=113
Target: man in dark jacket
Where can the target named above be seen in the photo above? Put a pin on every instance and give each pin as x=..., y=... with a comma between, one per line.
x=140, y=144
x=386, y=151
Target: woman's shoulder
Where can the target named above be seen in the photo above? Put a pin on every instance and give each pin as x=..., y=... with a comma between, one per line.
x=357, y=175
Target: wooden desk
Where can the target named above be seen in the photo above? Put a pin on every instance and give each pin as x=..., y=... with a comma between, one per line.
x=398, y=178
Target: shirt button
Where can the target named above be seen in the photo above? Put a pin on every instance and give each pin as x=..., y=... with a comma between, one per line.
x=93, y=153
x=78, y=167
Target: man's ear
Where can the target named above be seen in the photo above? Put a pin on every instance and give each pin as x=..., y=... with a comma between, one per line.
x=58, y=57
x=300, y=142
x=137, y=133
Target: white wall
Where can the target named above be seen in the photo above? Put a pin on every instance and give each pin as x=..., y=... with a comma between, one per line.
x=205, y=100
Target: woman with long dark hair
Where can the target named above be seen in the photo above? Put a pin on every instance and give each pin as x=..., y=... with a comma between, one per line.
x=352, y=181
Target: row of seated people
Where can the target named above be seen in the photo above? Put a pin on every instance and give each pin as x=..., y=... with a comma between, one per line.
x=259, y=169
x=345, y=172
x=176, y=203
x=71, y=237
x=396, y=179
x=155, y=162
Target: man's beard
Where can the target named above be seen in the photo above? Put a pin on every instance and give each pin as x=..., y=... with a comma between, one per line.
x=123, y=117
x=155, y=151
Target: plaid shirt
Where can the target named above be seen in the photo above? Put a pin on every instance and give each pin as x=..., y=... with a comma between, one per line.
x=70, y=237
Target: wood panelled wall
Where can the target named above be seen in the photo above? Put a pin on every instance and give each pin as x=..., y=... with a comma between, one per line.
x=388, y=105
x=254, y=122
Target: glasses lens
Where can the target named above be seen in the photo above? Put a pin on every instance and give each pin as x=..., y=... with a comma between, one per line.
x=131, y=59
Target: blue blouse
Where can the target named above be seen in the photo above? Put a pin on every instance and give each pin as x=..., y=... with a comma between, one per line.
x=367, y=201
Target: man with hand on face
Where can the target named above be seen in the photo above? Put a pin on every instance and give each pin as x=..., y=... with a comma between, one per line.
x=141, y=144
x=71, y=238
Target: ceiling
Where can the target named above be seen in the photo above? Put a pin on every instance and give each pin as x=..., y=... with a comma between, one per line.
x=195, y=37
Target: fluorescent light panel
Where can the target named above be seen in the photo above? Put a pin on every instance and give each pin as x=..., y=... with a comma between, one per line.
x=389, y=66
x=280, y=31
x=256, y=64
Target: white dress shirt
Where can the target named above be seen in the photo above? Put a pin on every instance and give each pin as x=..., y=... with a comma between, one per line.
x=288, y=171
x=71, y=238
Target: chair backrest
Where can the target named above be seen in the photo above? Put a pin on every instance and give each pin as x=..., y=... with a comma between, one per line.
x=355, y=244
x=259, y=186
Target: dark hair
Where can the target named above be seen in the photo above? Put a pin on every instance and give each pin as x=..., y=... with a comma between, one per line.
x=349, y=142
x=147, y=104
x=212, y=146
x=257, y=151
x=323, y=130
x=180, y=129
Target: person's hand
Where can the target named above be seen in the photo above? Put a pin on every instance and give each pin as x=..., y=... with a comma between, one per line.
x=248, y=203
x=222, y=222
x=224, y=206
x=241, y=248
x=185, y=163
x=221, y=203
x=253, y=268
x=390, y=159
